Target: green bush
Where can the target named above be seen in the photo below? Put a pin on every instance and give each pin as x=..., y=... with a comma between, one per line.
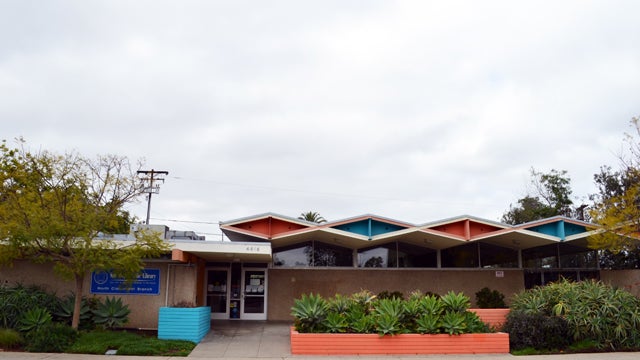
x=455, y=302
x=10, y=339
x=64, y=311
x=51, y=338
x=536, y=331
x=490, y=299
x=390, y=295
x=310, y=313
x=15, y=301
x=363, y=312
x=34, y=319
x=111, y=313
x=591, y=309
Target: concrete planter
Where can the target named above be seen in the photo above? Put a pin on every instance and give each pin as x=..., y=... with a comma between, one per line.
x=374, y=344
x=493, y=317
x=190, y=324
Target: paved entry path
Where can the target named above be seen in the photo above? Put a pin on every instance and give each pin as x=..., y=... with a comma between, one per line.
x=245, y=339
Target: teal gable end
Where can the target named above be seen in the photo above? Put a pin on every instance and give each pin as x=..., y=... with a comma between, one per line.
x=560, y=229
x=368, y=227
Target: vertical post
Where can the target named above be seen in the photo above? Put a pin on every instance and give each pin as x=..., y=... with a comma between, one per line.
x=148, y=208
x=151, y=189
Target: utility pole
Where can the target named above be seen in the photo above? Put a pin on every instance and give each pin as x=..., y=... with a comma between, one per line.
x=151, y=177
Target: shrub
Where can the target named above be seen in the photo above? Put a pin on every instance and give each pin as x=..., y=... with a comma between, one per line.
x=390, y=295
x=490, y=299
x=9, y=339
x=591, y=309
x=363, y=312
x=310, y=312
x=536, y=330
x=17, y=300
x=52, y=338
x=64, y=311
x=111, y=313
x=455, y=302
x=34, y=319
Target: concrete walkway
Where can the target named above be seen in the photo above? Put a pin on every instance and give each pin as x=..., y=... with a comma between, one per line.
x=263, y=340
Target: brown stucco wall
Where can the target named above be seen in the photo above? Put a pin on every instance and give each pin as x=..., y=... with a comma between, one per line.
x=144, y=308
x=285, y=285
x=626, y=279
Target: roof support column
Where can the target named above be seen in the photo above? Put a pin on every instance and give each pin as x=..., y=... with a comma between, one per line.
x=354, y=256
x=467, y=229
x=439, y=259
x=519, y=258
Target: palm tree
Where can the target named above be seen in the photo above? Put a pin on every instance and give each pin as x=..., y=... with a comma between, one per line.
x=312, y=216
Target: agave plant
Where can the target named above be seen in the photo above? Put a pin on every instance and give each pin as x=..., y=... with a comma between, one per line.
x=391, y=306
x=335, y=323
x=361, y=323
x=310, y=312
x=34, y=319
x=111, y=313
x=387, y=324
x=64, y=311
x=432, y=305
x=339, y=303
x=453, y=323
x=429, y=324
x=455, y=302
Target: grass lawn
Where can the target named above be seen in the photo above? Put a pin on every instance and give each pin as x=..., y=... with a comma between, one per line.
x=126, y=343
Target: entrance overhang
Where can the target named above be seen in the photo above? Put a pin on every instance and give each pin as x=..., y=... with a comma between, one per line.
x=219, y=251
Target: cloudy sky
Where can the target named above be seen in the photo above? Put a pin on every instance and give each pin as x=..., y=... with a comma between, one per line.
x=412, y=110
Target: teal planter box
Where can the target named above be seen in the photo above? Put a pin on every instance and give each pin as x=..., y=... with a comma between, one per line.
x=190, y=324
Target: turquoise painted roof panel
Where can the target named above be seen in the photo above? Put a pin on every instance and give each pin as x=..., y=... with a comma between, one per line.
x=574, y=229
x=559, y=228
x=379, y=228
x=368, y=227
x=547, y=229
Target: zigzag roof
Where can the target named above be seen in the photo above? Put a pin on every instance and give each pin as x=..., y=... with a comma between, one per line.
x=371, y=230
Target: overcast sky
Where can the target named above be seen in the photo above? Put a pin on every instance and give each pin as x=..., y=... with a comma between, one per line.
x=412, y=110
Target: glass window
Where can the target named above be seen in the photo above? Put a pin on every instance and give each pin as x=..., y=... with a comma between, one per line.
x=493, y=256
x=461, y=256
x=378, y=257
x=293, y=256
x=572, y=256
x=416, y=256
x=541, y=257
x=331, y=255
x=312, y=254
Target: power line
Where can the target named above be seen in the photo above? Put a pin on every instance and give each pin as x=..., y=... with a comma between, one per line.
x=189, y=221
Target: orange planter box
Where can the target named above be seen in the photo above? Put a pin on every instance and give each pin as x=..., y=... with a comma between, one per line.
x=369, y=344
x=493, y=317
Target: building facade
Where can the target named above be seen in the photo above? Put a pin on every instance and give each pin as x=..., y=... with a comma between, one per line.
x=271, y=259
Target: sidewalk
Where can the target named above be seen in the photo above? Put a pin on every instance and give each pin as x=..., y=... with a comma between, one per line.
x=263, y=340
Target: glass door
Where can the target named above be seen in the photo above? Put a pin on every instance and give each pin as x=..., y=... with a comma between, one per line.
x=254, y=294
x=218, y=281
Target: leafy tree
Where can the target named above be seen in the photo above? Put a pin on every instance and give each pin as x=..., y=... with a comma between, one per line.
x=552, y=196
x=53, y=207
x=528, y=209
x=617, y=207
x=312, y=216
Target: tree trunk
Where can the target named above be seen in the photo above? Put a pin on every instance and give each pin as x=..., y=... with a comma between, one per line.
x=77, y=306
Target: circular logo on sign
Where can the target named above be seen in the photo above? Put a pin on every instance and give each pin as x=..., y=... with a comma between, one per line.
x=100, y=277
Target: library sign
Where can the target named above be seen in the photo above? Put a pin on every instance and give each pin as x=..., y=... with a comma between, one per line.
x=147, y=283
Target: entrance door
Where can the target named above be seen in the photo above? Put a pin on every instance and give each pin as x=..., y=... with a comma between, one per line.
x=254, y=294
x=218, y=281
